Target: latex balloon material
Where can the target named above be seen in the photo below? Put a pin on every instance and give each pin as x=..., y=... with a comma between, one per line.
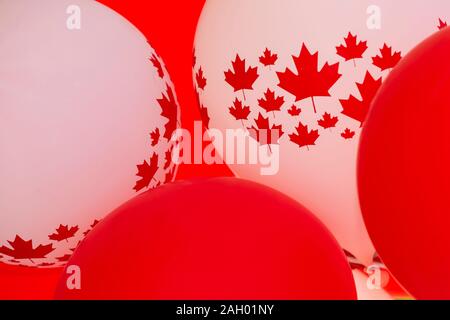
x=86, y=104
x=404, y=176
x=220, y=238
x=307, y=70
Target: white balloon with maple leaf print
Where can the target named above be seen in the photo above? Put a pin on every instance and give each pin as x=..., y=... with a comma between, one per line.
x=311, y=67
x=81, y=112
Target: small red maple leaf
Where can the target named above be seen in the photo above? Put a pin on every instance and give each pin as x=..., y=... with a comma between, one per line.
x=268, y=59
x=265, y=134
x=241, y=79
x=154, y=136
x=387, y=59
x=309, y=82
x=204, y=116
x=328, y=121
x=64, y=258
x=304, y=137
x=270, y=103
x=194, y=58
x=294, y=111
x=157, y=64
x=442, y=24
x=358, y=109
x=21, y=249
x=239, y=111
x=147, y=172
x=352, y=49
x=169, y=109
x=348, y=134
x=201, y=80
x=64, y=233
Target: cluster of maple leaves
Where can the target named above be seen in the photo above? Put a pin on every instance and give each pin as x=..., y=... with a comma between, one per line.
x=169, y=110
x=308, y=81
x=20, y=249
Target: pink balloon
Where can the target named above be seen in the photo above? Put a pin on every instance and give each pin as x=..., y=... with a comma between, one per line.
x=81, y=93
x=320, y=103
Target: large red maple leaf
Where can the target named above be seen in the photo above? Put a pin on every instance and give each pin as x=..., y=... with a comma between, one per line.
x=352, y=49
x=239, y=111
x=358, y=109
x=271, y=103
x=169, y=109
x=309, y=82
x=241, y=79
x=268, y=58
x=386, y=59
x=328, y=121
x=21, y=249
x=304, y=137
x=147, y=173
x=157, y=64
x=264, y=133
x=201, y=80
x=64, y=233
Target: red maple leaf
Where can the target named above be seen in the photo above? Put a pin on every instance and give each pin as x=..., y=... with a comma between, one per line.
x=169, y=109
x=304, y=137
x=294, y=111
x=328, y=121
x=21, y=249
x=270, y=103
x=309, y=82
x=194, y=58
x=268, y=59
x=348, y=134
x=154, y=136
x=358, y=109
x=352, y=49
x=64, y=233
x=265, y=134
x=387, y=59
x=147, y=172
x=168, y=159
x=157, y=64
x=64, y=258
x=442, y=24
x=241, y=79
x=205, y=116
x=201, y=80
x=239, y=111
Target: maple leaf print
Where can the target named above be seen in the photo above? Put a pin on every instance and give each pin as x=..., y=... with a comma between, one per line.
x=21, y=249
x=270, y=103
x=204, y=116
x=64, y=233
x=358, y=109
x=309, y=82
x=352, y=49
x=147, y=172
x=239, y=111
x=157, y=64
x=154, y=136
x=201, y=80
x=268, y=59
x=265, y=134
x=386, y=59
x=348, y=134
x=169, y=109
x=64, y=258
x=328, y=121
x=304, y=137
x=442, y=24
x=240, y=78
x=294, y=111
x=194, y=58
x=168, y=159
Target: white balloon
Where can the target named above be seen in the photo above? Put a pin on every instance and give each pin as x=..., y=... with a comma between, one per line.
x=321, y=176
x=79, y=90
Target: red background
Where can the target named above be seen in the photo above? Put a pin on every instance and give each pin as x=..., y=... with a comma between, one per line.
x=170, y=28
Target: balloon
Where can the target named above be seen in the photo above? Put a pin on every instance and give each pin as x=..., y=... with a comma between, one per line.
x=404, y=173
x=85, y=104
x=219, y=238
x=258, y=60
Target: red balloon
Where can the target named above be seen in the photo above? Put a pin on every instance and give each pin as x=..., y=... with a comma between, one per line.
x=404, y=170
x=219, y=238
